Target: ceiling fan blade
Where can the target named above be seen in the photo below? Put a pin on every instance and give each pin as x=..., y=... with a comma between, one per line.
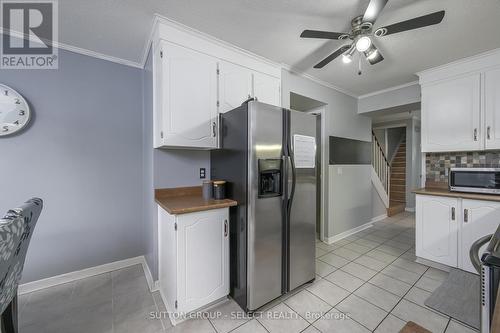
x=332, y=56
x=321, y=34
x=373, y=10
x=418, y=22
x=377, y=58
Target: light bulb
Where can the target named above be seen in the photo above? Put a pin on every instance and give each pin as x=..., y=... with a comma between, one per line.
x=372, y=55
x=346, y=58
x=363, y=44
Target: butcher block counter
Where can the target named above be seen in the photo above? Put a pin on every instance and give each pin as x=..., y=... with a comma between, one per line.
x=183, y=200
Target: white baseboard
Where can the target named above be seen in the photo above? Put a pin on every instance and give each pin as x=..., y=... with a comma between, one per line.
x=345, y=234
x=378, y=218
x=410, y=209
x=153, y=285
x=88, y=272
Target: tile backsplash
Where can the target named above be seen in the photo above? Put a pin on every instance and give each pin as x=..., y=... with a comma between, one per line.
x=438, y=164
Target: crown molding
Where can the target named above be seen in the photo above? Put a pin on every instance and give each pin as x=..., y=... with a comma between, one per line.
x=79, y=50
x=378, y=92
x=472, y=64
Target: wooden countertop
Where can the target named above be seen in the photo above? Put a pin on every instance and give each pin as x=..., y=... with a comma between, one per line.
x=445, y=192
x=184, y=200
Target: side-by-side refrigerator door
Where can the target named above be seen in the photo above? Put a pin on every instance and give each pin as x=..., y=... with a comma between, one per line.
x=265, y=191
x=302, y=225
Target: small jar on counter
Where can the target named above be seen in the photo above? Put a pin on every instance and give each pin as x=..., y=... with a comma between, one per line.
x=208, y=190
x=219, y=189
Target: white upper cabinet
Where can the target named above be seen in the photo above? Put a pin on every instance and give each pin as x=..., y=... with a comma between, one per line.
x=492, y=108
x=437, y=229
x=479, y=218
x=451, y=115
x=267, y=89
x=235, y=85
x=197, y=77
x=188, y=97
x=461, y=105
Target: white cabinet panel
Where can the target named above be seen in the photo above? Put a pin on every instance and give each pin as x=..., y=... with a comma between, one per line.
x=267, y=89
x=451, y=115
x=167, y=257
x=480, y=218
x=492, y=108
x=189, y=97
x=437, y=229
x=193, y=258
x=203, y=258
x=235, y=86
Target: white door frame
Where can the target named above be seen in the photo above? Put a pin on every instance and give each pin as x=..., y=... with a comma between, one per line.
x=323, y=179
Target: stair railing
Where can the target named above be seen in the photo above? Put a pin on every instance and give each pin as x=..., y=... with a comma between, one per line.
x=380, y=164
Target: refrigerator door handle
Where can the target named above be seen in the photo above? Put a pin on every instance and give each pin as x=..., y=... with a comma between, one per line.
x=294, y=180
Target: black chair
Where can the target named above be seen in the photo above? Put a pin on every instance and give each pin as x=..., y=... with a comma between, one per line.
x=16, y=229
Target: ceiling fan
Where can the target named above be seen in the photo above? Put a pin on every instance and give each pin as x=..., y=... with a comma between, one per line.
x=362, y=33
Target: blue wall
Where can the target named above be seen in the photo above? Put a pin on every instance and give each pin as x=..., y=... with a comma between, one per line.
x=89, y=155
x=82, y=156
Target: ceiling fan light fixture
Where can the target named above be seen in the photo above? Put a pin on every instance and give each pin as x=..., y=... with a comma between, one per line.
x=346, y=58
x=371, y=53
x=363, y=44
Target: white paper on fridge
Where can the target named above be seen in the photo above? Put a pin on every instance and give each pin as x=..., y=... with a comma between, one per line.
x=304, y=151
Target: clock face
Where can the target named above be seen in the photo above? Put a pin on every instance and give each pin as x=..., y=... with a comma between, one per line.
x=14, y=111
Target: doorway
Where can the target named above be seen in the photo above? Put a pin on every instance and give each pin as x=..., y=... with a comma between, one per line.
x=317, y=108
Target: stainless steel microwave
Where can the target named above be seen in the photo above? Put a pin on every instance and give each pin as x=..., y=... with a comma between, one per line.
x=475, y=180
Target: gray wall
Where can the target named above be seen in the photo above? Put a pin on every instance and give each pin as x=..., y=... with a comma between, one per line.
x=163, y=169
x=394, y=136
x=341, y=119
x=402, y=99
x=82, y=156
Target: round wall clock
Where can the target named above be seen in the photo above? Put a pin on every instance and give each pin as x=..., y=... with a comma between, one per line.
x=15, y=112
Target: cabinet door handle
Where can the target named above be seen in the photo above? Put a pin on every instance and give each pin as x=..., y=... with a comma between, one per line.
x=225, y=228
x=475, y=134
x=214, y=129
x=466, y=215
x=488, y=132
x=453, y=213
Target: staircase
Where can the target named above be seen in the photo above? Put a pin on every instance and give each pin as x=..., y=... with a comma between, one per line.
x=397, y=195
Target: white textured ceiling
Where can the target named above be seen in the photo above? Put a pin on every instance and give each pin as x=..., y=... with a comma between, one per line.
x=120, y=28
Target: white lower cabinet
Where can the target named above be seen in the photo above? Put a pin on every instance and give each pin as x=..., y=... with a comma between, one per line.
x=480, y=218
x=446, y=228
x=193, y=258
x=437, y=229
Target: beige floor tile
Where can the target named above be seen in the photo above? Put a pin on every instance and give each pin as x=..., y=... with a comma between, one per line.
x=371, y=263
x=401, y=274
x=359, y=271
x=362, y=311
x=409, y=311
x=323, y=269
x=334, y=260
x=345, y=280
x=428, y=284
x=328, y=292
x=390, y=284
x=282, y=319
x=337, y=322
x=390, y=324
x=253, y=326
x=308, y=306
x=227, y=316
x=378, y=296
x=346, y=253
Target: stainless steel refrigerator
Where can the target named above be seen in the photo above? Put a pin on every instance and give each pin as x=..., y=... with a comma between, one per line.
x=268, y=156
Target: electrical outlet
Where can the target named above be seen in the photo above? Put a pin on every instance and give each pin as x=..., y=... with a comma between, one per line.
x=203, y=173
